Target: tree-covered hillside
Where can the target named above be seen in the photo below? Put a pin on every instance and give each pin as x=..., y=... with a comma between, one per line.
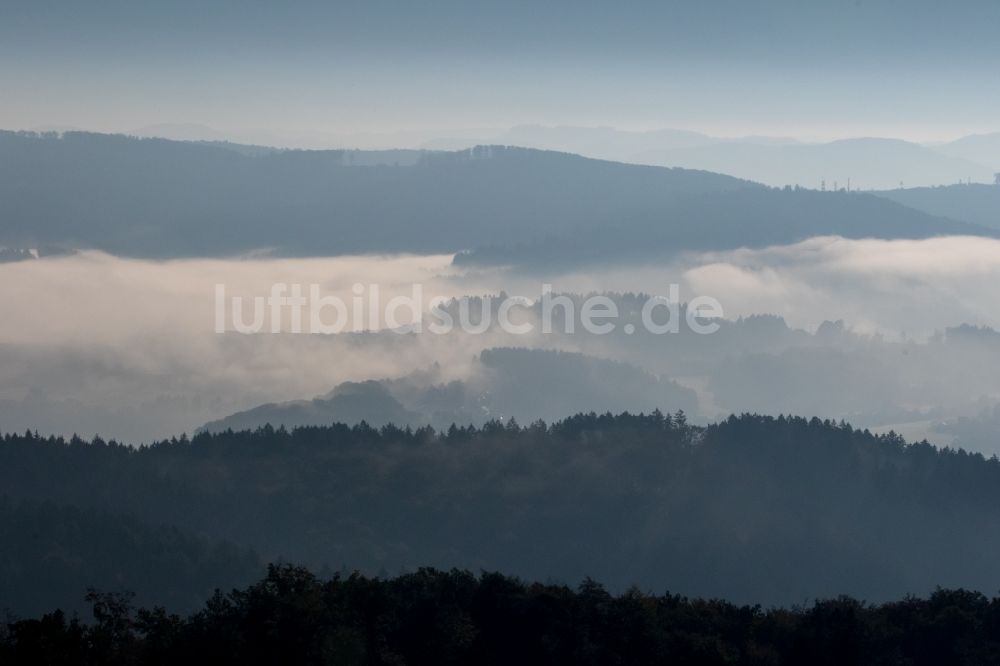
x=437, y=618
x=51, y=554
x=159, y=198
x=754, y=509
x=973, y=203
x=748, y=217
x=152, y=197
x=524, y=384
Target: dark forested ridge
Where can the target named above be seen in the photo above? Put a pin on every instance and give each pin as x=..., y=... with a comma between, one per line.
x=51, y=554
x=525, y=384
x=753, y=509
x=752, y=218
x=974, y=203
x=159, y=198
x=436, y=618
x=152, y=197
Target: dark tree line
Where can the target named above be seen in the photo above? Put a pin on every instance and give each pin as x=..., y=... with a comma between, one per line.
x=753, y=509
x=439, y=618
x=50, y=554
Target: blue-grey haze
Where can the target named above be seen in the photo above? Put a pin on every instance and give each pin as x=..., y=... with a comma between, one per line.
x=918, y=69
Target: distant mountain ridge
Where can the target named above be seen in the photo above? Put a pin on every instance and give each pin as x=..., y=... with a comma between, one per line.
x=864, y=163
x=975, y=203
x=772, y=160
x=981, y=148
x=868, y=162
x=159, y=198
x=508, y=383
x=728, y=220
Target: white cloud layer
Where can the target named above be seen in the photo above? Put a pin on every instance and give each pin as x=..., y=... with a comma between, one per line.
x=92, y=343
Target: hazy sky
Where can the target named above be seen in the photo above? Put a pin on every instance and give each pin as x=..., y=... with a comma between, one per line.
x=917, y=69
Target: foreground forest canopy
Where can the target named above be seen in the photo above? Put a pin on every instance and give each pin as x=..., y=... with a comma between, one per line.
x=440, y=618
x=753, y=509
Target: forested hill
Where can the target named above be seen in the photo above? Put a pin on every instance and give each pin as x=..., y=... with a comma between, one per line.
x=524, y=384
x=753, y=218
x=435, y=618
x=153, y=197
x=51, y=554
x=753, y=509
x=973, y=203
x=159, y=198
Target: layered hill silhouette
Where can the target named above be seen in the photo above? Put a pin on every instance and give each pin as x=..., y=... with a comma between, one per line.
x=753, y=218
x=505, y=383
x=159, y=198
x=868, y=162
x=153, y=197
x=979, y=148
x=755, y=509
x=53, y=553
x=976, y=203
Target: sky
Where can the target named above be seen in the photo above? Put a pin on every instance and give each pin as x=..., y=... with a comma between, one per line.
x=921, y=70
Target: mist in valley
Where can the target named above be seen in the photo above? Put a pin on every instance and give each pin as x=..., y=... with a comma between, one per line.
x=863, y=330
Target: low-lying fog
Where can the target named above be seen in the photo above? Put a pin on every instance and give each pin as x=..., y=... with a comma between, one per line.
x=92, y=343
